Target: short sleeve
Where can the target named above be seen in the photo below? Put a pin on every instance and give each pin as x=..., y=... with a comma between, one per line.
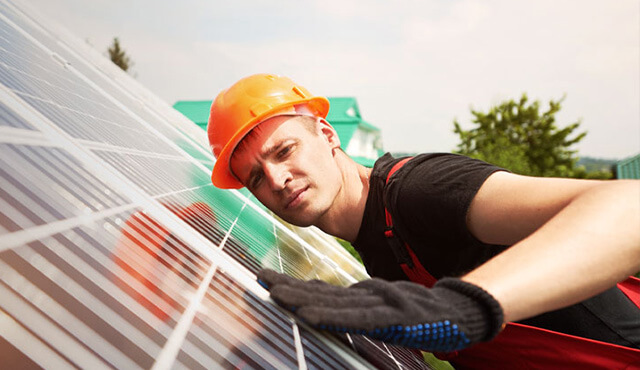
x=429, y=198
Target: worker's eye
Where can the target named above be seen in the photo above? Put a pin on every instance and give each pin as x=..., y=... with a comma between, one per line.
x=282, y=153
x=255, y=180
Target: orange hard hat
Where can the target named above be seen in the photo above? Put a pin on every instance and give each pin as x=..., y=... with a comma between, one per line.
x=247, y=103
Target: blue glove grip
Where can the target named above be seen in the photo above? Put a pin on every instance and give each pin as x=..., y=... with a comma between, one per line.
x=439, y=336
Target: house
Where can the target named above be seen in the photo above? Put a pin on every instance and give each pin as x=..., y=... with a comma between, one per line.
x=361, y=140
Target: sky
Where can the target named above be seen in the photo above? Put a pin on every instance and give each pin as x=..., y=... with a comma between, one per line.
x=414, y=66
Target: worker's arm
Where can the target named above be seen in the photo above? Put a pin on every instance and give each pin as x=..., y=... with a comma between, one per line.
x=571, y=239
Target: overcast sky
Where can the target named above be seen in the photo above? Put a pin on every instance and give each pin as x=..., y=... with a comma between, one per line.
x=414, y=66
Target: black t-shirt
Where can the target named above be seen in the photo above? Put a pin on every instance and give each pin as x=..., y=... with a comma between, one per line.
x=429, y=198
x=430, y=194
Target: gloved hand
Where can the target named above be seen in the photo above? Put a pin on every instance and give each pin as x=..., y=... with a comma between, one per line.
x=450, y=316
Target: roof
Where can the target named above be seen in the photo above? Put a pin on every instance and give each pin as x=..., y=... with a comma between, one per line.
x=344, y=115
x=196, y=110
x=629, y=168
x=343, y=109
x=345, y=132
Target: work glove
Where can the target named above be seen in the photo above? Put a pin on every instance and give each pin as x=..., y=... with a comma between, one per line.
x=451, y=316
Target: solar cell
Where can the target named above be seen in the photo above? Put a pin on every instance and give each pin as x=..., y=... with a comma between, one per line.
x=115, y=248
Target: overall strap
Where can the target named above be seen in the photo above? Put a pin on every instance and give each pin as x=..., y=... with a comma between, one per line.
x=631, y=288
x=401, y=250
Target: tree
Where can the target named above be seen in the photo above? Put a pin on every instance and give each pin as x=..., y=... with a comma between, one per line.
x=516, y=136
x=119, y=56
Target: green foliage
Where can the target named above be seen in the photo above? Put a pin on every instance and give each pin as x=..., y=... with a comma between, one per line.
x=349, y=248
x=596, y=168
x=582, y=172
x=517, y=136
x=119, y=56
x=435, y=363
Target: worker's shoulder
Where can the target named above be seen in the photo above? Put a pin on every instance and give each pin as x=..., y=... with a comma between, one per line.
x=385, y=163
x=434, y=168
x=442, y=181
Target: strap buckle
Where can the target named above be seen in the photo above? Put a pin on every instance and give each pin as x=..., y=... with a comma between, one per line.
x=398, y=248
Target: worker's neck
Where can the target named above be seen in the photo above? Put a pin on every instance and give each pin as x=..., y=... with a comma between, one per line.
x=344, y=217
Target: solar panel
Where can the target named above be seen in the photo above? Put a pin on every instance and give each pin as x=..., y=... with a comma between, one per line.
x=115, y=248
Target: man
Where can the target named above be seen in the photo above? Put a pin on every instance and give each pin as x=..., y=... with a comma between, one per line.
x=568, y=240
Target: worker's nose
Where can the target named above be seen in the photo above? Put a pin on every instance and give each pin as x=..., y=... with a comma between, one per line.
x=278, y=176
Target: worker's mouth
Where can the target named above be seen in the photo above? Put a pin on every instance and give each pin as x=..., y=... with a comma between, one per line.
x=295, y=198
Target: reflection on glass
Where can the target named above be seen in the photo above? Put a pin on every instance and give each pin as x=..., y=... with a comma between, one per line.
x=330, y=249
x=152, y=255
x=235, y=329
x=211, y=213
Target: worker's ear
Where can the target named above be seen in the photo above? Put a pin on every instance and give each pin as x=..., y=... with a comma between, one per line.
x=329, y=133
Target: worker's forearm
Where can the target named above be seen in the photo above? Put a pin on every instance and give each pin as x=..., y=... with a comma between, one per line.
x=586, y=248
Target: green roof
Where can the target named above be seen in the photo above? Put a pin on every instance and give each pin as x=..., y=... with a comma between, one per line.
x=345, y=132
x=195, y=110
x=629, y=168
x=343, y=109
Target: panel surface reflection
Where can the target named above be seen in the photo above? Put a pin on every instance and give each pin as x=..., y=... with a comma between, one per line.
x=116, y=251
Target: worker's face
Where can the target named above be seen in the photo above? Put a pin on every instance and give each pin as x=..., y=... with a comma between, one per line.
x=289, y=164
